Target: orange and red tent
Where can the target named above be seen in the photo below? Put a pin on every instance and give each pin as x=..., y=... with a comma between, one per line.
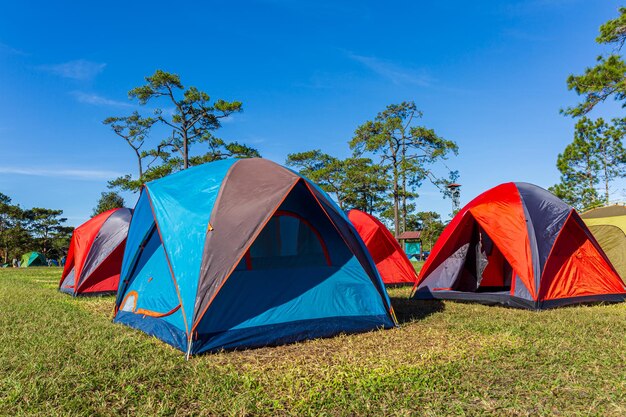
x=519, y=245
x=392, y=263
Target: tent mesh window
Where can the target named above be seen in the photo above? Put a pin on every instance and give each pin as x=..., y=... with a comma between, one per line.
x=287, y=241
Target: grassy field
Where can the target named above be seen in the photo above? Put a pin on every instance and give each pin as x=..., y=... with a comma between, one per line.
x=63, y=356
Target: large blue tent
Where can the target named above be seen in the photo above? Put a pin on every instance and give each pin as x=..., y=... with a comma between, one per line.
x=245, y=253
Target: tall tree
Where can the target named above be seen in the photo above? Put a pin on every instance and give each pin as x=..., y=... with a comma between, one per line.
x=6, y=223
x=406, y=151
x=365, y=186
x=45, y=225
x=108, y=200
x=355, y=182
x=193, y=118
x=13, y=237
x=36, y=229
x=60, y=242
x=608, y=77
x=595, y=158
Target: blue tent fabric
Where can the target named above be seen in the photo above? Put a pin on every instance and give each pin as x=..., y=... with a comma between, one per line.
x=182, y=204
x=141, y=225
x=302, y=274
x=283, y=333
x=342, y=220
x=152, y=286
x=156, y=327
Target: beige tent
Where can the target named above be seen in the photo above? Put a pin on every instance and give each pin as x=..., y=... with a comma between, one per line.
x=608, y=225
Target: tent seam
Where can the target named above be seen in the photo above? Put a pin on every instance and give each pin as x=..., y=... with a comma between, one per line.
x=243, y=252
x=180, y=300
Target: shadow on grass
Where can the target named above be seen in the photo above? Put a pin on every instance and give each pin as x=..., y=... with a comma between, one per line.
x=410, y=310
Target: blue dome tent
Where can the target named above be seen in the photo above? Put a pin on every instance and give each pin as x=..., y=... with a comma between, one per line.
x=245, y=253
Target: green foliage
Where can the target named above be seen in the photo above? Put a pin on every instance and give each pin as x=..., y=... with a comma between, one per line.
x=47, y=226
x=430, y=225
x=366, y=185
x=608, y=77
x=127, y=183
x=614, y=31
x=60, y=242
x=355, y=182
x=595, y=157
x=108, y=200
x=408, y=153
x=191, y=123
x=321, y=168
x=219, y=149
x=14, y=238
x=63, y=356
x=194, y=116
x=37, y=229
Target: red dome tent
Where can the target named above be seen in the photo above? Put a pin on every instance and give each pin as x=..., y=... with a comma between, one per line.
x=94, y=260
x=392, y=263
x=518, y=245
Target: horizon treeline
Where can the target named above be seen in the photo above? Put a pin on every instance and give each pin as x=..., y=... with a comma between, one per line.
x=36, y=229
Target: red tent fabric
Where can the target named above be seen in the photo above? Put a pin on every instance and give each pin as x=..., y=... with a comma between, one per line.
x=519, y=245
x=94, y=259
x=392, y=263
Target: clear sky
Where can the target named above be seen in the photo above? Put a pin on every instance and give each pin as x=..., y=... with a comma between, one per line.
x=489, y=75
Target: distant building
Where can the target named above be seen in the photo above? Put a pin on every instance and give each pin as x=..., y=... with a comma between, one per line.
x=411, y=242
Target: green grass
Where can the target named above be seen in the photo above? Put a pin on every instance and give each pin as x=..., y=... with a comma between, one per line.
x=418, y=265
x=63, y=356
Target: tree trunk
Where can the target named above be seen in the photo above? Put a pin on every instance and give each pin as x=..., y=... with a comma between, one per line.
x=606, y=191
x=185, y=152
x=403, y=222
x=606, y=178
x=395, y=148
x=139, y=163
x=590, y=175
x=403, y=161
x=396, y=220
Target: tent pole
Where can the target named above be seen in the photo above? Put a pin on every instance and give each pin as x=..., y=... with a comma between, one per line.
x=189, y=343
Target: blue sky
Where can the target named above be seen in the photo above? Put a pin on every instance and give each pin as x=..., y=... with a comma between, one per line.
x=489, y=75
